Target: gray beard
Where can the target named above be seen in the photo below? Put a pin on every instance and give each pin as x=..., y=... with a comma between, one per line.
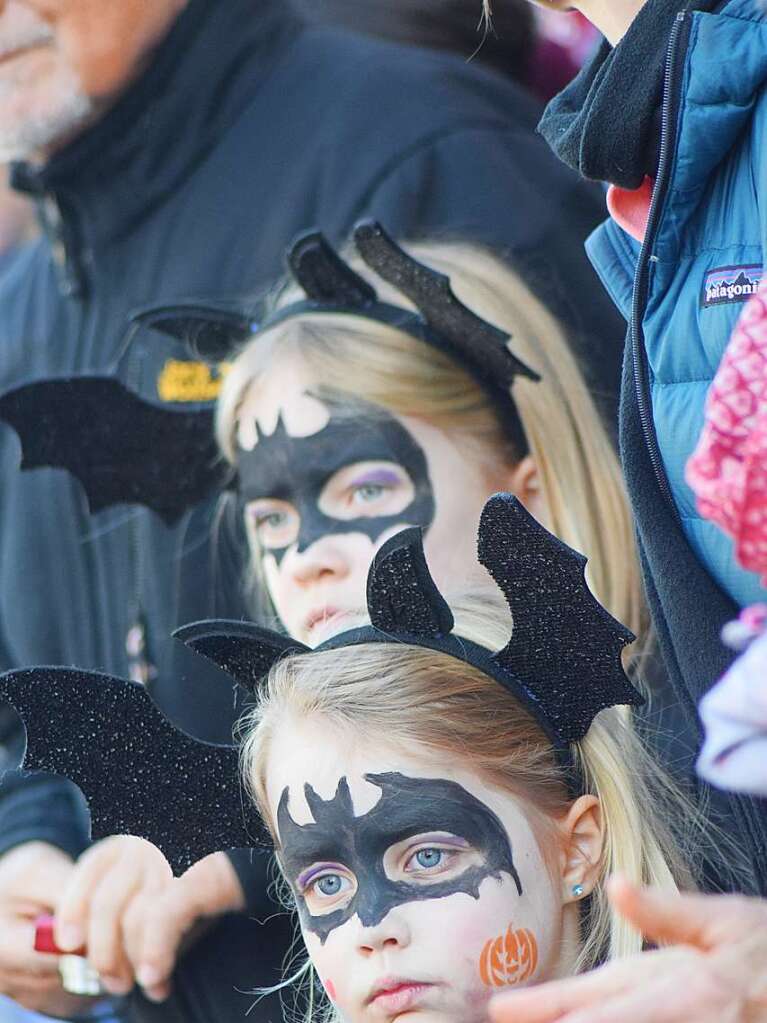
x=35, y=134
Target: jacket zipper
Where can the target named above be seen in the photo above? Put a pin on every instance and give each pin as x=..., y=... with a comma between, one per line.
x=669, y=111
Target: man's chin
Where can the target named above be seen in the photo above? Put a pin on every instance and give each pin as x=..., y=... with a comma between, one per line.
x=35, y=123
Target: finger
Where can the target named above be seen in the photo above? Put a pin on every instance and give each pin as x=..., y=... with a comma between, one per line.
x=106, y=951
x=664, y=917
x=17, y=985
x=663, y=1003
x=73, y=908
x=549, y=1002
x=166, y=922
x=17, y=953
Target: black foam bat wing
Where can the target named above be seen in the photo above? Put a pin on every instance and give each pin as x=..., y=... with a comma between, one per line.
x=211, y=330
x=139, y=774
x=244, y=650
x=565, y=648
x=120, y=447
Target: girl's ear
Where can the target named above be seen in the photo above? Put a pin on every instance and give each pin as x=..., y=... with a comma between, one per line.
x=524, y=482
x=582, y=838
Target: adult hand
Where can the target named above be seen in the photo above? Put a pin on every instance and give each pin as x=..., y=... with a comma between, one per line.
x=714, y=970
x=157, y=928
x=100, y=892
x=32, y=877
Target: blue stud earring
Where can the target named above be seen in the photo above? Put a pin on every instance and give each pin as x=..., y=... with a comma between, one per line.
x=577, y=890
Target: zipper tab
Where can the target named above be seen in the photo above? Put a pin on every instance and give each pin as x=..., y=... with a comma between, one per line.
x=59, y=227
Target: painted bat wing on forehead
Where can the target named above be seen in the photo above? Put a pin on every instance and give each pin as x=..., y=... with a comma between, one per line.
x=138, y=773
x=121, y=448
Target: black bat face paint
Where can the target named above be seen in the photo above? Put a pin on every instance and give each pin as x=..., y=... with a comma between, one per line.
x=407, y=807
x=296, y=469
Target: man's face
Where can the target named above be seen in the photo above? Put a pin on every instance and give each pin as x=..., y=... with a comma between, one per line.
x=63, y=62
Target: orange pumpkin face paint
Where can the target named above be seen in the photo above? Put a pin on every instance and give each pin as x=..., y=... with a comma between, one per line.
x=510, y=959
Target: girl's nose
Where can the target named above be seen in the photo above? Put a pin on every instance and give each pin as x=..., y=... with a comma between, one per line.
x=392, y=932
x=322, y=559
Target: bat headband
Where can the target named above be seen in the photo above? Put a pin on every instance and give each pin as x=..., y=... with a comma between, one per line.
x=142, y=776
x=562, y=662
x=123, y=448
x=332, y=286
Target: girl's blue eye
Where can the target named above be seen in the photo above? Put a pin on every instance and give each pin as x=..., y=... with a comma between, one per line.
x=429, y=857
x=330, y=884
x=368, y=491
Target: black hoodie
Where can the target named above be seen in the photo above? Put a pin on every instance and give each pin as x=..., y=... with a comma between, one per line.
x=246, y=128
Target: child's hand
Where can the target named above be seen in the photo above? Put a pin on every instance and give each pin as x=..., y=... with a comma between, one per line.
x=712, y=970
x=98, y=905
x=32, y=876
x=159, y=925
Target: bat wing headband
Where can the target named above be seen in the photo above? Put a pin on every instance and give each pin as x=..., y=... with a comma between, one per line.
x=142, y=776
x=562, y=662
x=125, y=449
x=330, y=285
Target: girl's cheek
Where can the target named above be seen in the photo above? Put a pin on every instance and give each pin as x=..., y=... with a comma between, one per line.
x=330, y=988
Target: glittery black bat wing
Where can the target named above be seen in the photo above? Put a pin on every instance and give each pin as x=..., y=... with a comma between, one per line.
x=121, y=448
x=211, y=330
x=565, y=648
x=139, y=774
x=402, y=597
x=244, y=650
x=472, y=339
x=324, y=276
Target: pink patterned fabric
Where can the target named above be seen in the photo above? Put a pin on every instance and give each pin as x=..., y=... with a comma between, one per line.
x=728, y=469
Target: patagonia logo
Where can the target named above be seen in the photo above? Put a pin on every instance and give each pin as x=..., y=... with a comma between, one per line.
x=728, y=284
x=190, y=381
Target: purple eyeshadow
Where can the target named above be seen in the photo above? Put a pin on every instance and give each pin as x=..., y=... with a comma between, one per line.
x=381, y=476
x=304, y=879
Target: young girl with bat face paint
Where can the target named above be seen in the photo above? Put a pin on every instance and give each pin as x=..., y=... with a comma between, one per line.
x=434, y=845
x=344, y=429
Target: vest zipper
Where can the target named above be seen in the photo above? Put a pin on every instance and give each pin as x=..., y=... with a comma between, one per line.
x=670, y=108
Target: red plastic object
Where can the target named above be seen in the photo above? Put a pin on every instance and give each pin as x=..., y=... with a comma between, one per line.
x=44, y=941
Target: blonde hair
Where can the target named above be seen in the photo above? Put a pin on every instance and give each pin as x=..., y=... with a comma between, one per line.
x=422, y=700
x=580, y=476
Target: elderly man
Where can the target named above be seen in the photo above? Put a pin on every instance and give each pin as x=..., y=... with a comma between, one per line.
x=173, y=149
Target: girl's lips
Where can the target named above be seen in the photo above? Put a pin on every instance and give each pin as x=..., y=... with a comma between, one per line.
x=398, y=997
x=317, y=615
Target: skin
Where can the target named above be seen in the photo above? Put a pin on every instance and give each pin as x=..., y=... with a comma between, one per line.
x=64, y=62
x=328, y=578
x=713, y=971
x=611, y=17
x=437, y=942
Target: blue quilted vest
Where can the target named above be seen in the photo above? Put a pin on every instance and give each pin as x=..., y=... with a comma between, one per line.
x=702, y=257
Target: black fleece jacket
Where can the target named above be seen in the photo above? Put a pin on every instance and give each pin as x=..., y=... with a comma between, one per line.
x=246, y=128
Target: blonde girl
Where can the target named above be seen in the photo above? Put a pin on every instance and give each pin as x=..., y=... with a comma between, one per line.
x=417, y=405
x=436, y=842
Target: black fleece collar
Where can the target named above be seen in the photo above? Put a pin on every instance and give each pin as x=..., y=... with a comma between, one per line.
x=199, y=81
x=606, y=123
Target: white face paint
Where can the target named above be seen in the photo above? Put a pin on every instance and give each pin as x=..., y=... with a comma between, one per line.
x=328, y=578
x=439, y=957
